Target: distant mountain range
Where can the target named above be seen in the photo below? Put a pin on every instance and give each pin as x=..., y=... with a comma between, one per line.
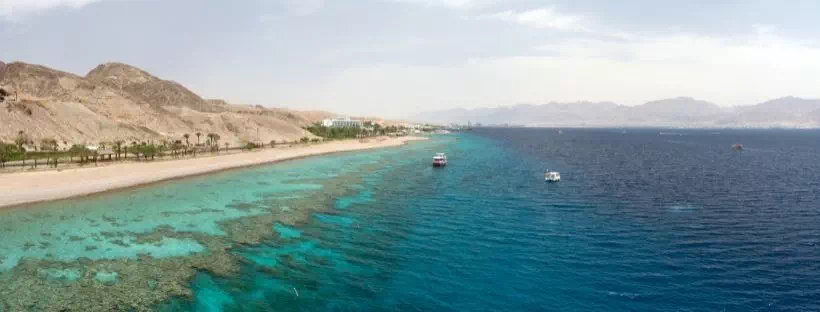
x=682, y=112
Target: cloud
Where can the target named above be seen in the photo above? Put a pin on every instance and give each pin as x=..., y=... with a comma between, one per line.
x=267, y=18
x=727, y=71
x=538, y=18
x=303, y=7
x=14, y=9
x=761, y=48
x=372, y=49
x=454, y=4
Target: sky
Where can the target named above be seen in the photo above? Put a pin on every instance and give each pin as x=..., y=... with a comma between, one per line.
x=395, y=58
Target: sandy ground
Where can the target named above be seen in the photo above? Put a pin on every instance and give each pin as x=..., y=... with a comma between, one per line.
x=29, y=187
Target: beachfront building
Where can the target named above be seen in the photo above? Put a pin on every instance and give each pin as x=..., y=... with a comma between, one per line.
x=342, y=122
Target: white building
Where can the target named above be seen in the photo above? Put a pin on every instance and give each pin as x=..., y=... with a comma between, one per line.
x=341, y=122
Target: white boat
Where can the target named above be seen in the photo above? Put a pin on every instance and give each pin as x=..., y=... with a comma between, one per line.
x=440, y=160
x=552, y=176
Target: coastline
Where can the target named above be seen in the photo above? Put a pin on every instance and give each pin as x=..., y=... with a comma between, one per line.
x=25, y=188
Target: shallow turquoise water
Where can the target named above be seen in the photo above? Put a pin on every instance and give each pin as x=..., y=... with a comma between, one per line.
x=642, y=222
x=110, y=226
x=62, y=230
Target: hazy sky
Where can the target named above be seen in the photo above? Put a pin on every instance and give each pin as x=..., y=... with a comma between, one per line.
x=398, y=57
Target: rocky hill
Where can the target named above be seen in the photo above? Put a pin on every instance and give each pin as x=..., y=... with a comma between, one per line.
x=142, y=87
x=116, y=101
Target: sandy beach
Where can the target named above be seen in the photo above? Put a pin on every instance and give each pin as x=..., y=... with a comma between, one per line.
x=30, y=187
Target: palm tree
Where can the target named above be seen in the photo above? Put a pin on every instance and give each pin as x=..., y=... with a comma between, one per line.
x=101, y=148
x=177, y=145
x=173, y=148
x=80, y=150
x=162, y=148
x=6, y=152
x=49, y=146
x=227, y=145
x=198, y=134
x=134, y=150
x=21, y=140
x=118, y=144
x=215, y=141
x=148, y=150
x=186, y=136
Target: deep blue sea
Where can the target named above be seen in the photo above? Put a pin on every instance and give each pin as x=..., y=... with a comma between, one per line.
x=641, y=222
x=644, y=220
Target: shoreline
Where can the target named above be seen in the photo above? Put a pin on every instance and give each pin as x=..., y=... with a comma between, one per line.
x=27, y=188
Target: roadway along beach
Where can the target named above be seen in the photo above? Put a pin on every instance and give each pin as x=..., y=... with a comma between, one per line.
x=30, y=187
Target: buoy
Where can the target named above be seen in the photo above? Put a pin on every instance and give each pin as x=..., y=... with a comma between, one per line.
x=737, y=147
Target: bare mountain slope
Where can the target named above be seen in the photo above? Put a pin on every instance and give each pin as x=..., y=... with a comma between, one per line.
x=782, y=111
x=119, y=102
x=142, y=87
x=2, y=70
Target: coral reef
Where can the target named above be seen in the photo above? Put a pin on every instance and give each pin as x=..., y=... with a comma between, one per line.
x=128, y=284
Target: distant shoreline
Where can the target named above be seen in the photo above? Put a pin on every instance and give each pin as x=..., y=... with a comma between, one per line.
x=26, y=188
x=643, y=127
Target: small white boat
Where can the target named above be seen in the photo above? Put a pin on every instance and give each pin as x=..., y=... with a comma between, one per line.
x=552, y=176
x=440, y=160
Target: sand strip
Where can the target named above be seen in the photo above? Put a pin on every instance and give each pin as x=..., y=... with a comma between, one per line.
x=30, y=187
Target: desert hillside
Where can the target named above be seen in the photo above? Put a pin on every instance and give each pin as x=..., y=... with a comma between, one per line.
x=119, y=102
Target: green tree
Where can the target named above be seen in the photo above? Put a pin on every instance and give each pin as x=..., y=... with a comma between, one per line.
x=21, y=140
x=332, y=133
x=118, y=147
x=78, y=151
x=304, y=140
x=272, y=143
x=180, y=147
x=49, y=146
x=173, y=147
x=210, y=141
x=148, y=150
x=133, y=149
x=7, y=152
x=161, y=149
x=216, y=139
